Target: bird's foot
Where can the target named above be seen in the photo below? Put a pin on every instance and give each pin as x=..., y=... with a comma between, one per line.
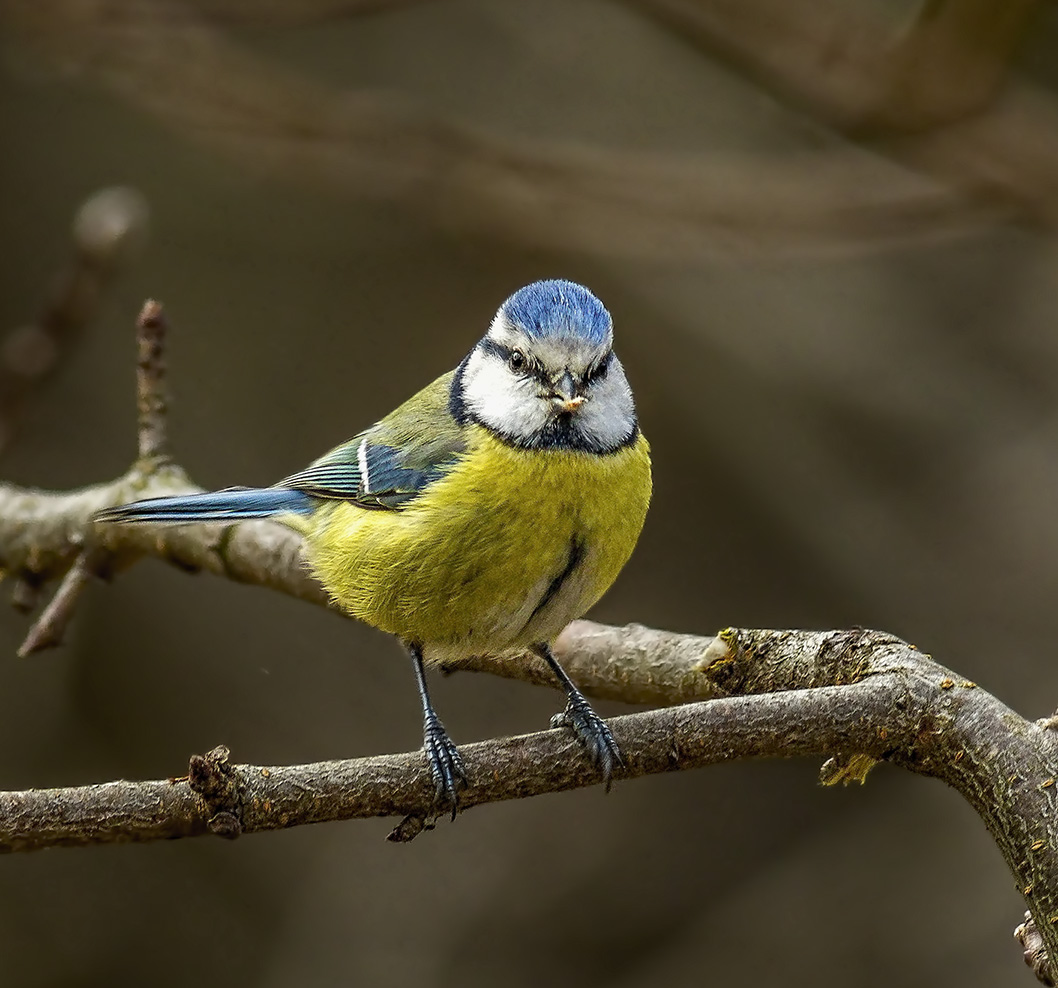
x=446, y=764
x=593, y=733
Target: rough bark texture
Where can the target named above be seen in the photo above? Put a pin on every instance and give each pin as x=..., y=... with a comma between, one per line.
x=857, y=696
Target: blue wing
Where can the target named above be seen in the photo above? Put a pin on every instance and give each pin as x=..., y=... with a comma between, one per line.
x=371, y=474
x=387, y=466
x=233, y=504
x=393, y=462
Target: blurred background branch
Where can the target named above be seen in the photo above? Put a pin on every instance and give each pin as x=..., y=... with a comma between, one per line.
x=858, y=67
x=173, y=61
x=109, y=227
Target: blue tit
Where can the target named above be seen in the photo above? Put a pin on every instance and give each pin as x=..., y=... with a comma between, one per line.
x=485, y=513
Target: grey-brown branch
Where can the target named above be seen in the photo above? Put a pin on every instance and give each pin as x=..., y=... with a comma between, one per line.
x=855, y=697
x=232, y=799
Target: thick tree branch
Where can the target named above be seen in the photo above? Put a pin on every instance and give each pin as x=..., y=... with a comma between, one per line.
x=790, y=693
x=42, y=533
x=254, y=798
x=855, y=696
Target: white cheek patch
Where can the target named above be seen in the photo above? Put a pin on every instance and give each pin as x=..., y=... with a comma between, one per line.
x=512, y=404
x=501, y=399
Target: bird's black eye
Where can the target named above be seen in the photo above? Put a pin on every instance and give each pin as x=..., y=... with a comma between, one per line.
x=598, y=372
x=516, y=361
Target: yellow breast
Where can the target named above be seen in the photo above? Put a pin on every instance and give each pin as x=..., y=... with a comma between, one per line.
x=501, y=553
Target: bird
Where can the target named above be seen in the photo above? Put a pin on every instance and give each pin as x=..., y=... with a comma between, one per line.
x=481, y=516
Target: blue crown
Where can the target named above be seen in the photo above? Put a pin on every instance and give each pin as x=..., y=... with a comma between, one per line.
x=559, y=308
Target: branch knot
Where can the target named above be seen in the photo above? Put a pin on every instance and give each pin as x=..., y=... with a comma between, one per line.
x=214, y=779
x=1035, y=952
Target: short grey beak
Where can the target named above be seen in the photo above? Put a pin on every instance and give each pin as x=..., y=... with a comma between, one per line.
x=564, y=395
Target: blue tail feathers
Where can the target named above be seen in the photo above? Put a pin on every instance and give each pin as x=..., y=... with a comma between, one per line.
x=229, y=505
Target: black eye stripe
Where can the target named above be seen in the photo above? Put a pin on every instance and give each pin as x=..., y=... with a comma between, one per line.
x=532, y=369
x=490, y=346
x=598, y=372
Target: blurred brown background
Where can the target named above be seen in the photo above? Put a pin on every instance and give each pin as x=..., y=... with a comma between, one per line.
x=825, y=232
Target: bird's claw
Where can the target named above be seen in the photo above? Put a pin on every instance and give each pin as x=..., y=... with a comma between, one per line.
x=446, y=764
x=592, y=732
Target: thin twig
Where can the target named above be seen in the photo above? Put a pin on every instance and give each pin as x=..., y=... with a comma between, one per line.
x=25, y=592
x=50, y=628
x=152, y=398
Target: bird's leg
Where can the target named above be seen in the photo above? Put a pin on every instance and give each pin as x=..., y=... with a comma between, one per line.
x=589, y=727
x=446, y=764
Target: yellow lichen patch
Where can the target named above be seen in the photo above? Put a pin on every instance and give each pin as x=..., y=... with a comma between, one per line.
x=719, y=663
x=719, y=653
x=846, y=769
x=946, y=684
x=1039, y=845
x=1047, y=783
x=968, y=684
